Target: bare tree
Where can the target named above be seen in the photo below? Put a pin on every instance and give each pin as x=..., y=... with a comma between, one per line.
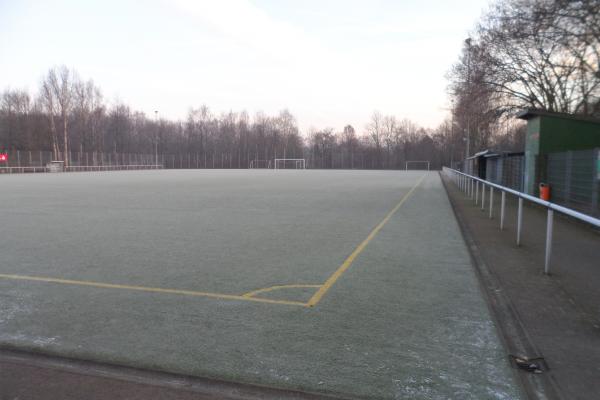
x=59, y=84
x=49, y=103
x=229, y=140
x=15, y=129
x=375, y=132
x=542, y=54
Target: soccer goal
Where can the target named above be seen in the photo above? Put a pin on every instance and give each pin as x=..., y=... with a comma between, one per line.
x=290, y=163
x=417, y=165
x=260, y=164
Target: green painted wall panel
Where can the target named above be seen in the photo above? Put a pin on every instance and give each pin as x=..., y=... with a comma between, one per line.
x=561, y=134
x=550, y=134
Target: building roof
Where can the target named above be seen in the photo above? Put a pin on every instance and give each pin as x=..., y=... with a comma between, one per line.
x=492, y=153
x=480, y=154
x=533, y=112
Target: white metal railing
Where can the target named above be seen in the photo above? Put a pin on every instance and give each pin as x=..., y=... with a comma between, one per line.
x=470, y=185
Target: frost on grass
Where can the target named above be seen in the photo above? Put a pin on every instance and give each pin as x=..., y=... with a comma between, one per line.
x=15, y=305
x=12, y=304
x=459, y=374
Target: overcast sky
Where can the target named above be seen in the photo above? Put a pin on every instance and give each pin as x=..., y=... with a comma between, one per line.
x=330, y=62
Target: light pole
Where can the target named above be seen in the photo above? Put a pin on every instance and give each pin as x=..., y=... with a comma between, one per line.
x=468, y=145
x=156, y=138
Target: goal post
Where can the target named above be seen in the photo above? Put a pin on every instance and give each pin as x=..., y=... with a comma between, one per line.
x=290, y=163
x=417, y=165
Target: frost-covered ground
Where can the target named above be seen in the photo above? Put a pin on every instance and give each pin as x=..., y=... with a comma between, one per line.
x=406, y=320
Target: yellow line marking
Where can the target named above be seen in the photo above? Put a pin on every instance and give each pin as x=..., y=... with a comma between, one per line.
x=348, y=262
x=149, y=289
x=277, y=287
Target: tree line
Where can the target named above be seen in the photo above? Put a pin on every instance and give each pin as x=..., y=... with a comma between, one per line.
x=539, y=54
x=70, y=115
x=542, y=54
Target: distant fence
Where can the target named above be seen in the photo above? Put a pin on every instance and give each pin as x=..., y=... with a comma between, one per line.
x=19, y=158
x=574, y=178
x=40, y=161
x=35, y=161
x=505, y=169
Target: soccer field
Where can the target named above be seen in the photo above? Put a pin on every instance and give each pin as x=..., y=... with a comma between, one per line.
x=356, y=283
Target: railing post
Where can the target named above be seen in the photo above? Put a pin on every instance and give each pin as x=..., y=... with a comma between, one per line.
x=491, y=201
x=502, y=206
x=594, y=202
x=482, y=196
x=549, y=227
x=472, y=187
x=519, y=221
x=476, y=192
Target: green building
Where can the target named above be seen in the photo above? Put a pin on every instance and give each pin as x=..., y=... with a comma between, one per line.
x=551, y=132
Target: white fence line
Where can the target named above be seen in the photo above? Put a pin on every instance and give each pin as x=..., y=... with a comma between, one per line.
x=111, y=167
x=11, y=170
x=469, y=184
x=82, y=168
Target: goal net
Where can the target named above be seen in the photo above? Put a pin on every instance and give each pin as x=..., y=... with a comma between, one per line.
x=260, y=164
x=290, y=163
x=417, y=165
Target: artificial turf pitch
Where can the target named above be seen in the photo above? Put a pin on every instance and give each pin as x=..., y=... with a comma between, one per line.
x=355, y=283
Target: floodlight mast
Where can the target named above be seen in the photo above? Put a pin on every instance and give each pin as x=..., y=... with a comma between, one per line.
x=156, y=134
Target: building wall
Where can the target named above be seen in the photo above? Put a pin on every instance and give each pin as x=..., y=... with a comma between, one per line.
x=532, y=149
x=561, y=134
x=574, y=180
x=551, y=134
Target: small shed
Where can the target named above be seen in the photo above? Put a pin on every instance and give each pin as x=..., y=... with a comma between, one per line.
x=477, y=164
x=502, y=167
x=552, y=132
